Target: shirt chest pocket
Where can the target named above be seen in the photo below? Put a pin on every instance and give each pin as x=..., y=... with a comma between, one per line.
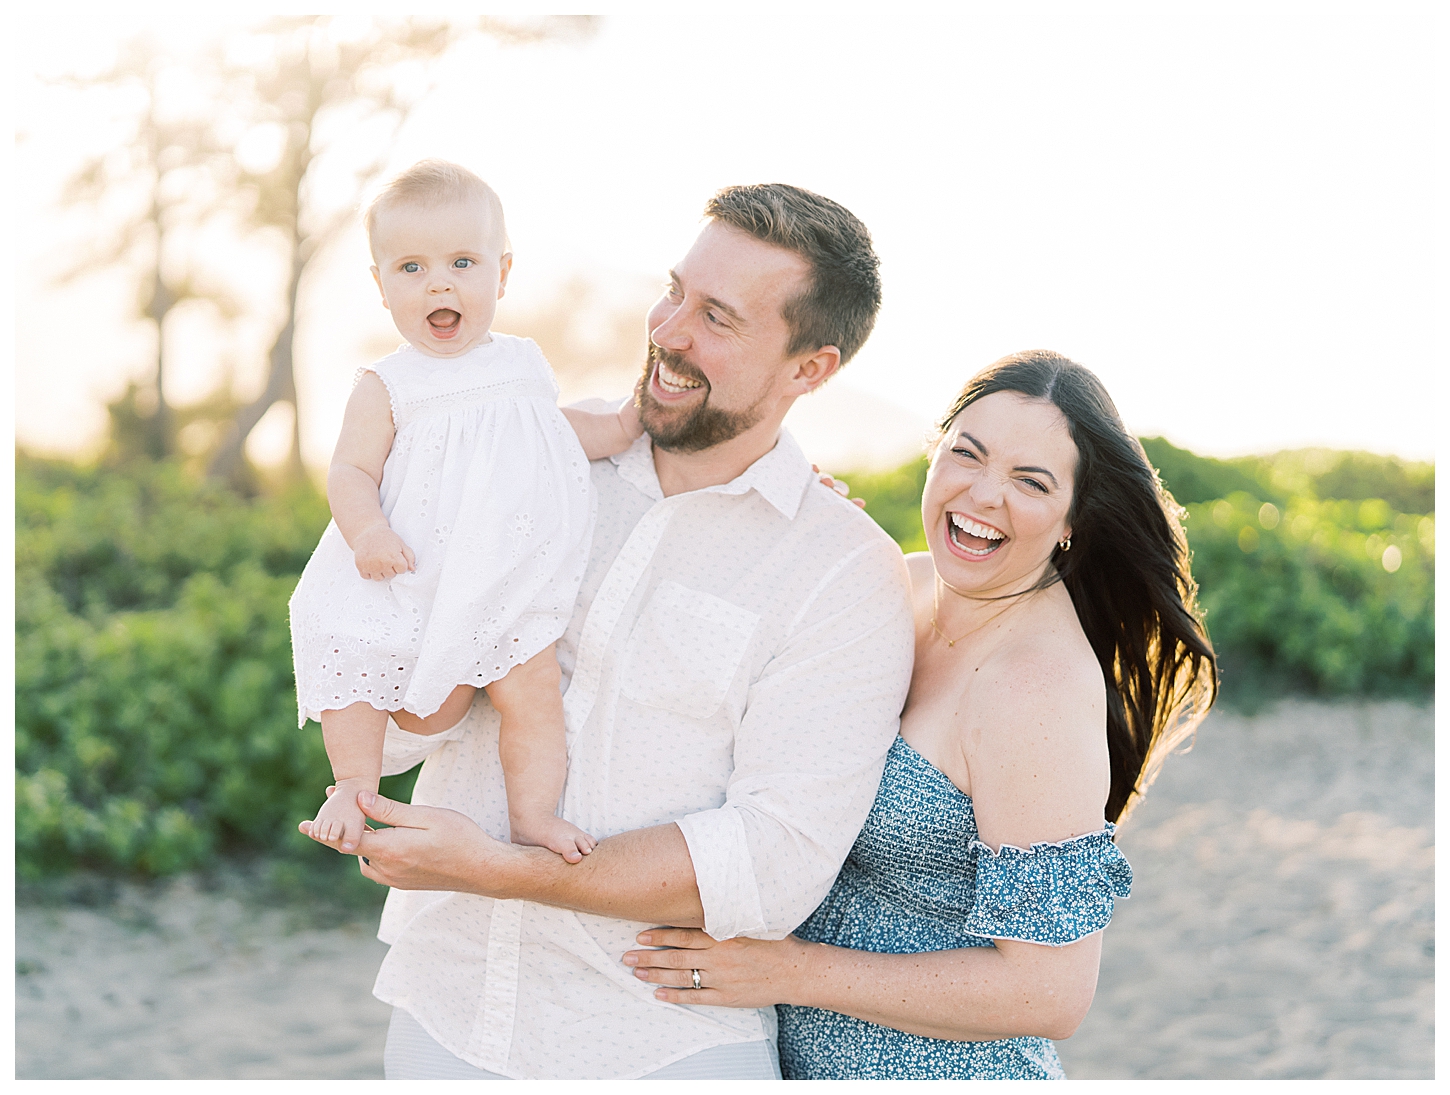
x=685, y=649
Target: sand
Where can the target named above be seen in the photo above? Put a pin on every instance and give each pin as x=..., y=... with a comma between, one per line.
x=1281, y=926
x=1282, y=918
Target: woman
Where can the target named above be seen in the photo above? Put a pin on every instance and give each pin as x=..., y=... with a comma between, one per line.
x=963, y=932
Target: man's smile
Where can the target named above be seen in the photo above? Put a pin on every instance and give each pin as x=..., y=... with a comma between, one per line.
x=671, y=384
x=674, y=382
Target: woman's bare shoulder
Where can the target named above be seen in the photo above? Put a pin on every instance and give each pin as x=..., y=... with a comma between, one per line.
x=1038, y=748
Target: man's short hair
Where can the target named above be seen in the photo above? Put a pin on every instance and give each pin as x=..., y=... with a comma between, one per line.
x=838, y=307
x=437, y=182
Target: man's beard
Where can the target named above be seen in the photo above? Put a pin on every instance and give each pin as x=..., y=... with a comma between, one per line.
x=695, y=430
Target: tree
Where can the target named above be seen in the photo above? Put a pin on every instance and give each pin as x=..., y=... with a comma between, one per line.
x=163, y=173
x=302, y=77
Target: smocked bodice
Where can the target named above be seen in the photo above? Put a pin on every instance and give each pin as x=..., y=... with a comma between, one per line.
x=918, y=879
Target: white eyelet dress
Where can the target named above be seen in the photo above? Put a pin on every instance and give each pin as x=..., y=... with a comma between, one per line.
x=489, y=487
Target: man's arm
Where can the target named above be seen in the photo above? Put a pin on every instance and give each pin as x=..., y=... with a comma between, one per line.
x=801, y=789
x=644, y=875
x=809, y=751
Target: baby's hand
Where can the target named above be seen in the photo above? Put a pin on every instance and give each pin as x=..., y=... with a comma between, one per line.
x=629, y=420
x=380, y=553
x=340, y=822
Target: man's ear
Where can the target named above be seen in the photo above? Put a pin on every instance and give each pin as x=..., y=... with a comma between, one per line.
x=818, y=368
x=378, y=281
x=505, y=264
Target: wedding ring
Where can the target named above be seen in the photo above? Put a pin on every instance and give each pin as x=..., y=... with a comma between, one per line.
x=695, y=978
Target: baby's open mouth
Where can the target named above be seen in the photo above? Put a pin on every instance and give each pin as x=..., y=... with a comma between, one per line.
x=444, y=322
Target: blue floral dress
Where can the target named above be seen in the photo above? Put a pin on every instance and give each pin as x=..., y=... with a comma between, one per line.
x=917, y=880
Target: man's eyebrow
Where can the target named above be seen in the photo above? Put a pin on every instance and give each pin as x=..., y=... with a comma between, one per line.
x=983, y=450
x=714, y=302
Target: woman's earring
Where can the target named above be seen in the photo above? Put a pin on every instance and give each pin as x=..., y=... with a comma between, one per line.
x=1065, y=543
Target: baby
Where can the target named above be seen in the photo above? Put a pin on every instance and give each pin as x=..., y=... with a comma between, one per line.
x=461, y=517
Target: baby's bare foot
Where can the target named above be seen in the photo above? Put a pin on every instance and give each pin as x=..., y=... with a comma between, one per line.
x=554, y=833
x=339, y=824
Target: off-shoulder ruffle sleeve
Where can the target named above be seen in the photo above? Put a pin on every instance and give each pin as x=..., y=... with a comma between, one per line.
x=1054, y=894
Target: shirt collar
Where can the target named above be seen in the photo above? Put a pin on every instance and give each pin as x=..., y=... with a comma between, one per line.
x=781, y=476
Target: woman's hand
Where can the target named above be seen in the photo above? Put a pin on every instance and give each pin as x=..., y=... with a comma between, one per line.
x=840, y=488
x=736, y=973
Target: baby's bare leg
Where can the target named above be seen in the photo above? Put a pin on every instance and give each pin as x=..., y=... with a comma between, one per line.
x=445, y=718
x=531, y=747
x=354, y=740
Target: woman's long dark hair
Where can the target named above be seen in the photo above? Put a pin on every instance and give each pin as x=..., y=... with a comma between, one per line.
x=1126, y=571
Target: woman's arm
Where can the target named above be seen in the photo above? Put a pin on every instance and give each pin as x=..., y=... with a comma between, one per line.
x=974, y=994
x=1036, y=751
x=605, y=433
x=355, y=475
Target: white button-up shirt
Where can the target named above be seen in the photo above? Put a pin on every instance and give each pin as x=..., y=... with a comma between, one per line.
x=736, y=664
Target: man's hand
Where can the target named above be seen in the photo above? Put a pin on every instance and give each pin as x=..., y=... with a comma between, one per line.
x=380, y=553
x=429, y=848
x=645, y=874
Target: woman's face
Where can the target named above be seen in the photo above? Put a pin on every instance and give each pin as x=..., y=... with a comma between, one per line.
x=998, y=493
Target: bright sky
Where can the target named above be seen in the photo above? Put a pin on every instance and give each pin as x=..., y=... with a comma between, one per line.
x=1226, y=211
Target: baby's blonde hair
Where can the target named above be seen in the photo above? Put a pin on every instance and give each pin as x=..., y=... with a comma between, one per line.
x=437, y=182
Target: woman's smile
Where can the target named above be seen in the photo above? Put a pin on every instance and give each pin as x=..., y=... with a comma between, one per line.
x=971, y=538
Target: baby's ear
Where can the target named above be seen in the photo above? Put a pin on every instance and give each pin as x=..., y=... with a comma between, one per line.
x=505, y=264
x=378, y=281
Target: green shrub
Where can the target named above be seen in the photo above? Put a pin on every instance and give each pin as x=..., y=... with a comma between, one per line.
x=154, y=706
x=893, y=498
x=1193, y=478
x=1330, y=597
x=108, y=539
x=156, y=721
x=1406, y=486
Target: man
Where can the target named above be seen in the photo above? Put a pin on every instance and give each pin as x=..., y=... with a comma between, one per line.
x=736, y=665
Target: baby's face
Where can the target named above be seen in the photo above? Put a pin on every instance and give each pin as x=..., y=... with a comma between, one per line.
x=441, y=270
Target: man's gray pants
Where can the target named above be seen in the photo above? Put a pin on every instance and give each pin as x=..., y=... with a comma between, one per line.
x=411, y=1053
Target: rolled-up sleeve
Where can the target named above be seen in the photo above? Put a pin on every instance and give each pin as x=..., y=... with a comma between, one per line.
x=809, y=751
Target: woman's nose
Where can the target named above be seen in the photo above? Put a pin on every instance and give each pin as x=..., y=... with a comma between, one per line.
x=987, y=487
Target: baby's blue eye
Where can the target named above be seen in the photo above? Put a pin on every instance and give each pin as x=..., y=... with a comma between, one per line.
x=462, y=264
x=411, y=267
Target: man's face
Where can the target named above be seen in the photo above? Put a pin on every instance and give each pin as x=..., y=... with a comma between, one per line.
x=716, y=364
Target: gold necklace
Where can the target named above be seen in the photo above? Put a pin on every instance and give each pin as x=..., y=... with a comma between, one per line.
x=936, y=608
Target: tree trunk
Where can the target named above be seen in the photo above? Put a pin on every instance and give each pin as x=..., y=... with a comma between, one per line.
x=229, y=462
x=159, y=429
